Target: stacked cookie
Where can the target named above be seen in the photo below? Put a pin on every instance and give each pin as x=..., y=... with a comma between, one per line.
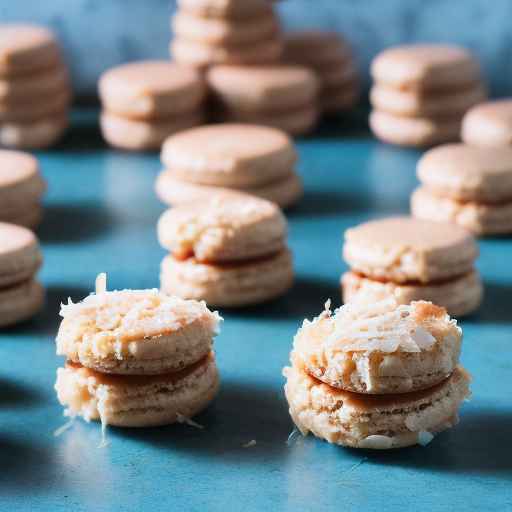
x=229, y=251
x=204, y=161
x=144, y=102
x=35, y=92
x=489, y=124
x=136, y=358
x=21, y=295
x=411, y=259
x=467, y=185
x=329, y=56
x=421, y=93
x=377, y=375
x=283, y=97
x=21, y=189
x=210, y=32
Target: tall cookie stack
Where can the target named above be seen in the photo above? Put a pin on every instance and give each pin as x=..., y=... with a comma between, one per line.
x=144, y=102
x=329, y=56
x=205, y=161
x=283, y=96
x=35, y=92
x=377, y=375
x=136, y=358
x=210, y=32
x=21, y=189
x=421, y=93
x=229, y=251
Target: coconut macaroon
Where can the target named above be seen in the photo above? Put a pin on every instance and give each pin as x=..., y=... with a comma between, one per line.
x=380, y=376
x=229, y=250
x=136, y=357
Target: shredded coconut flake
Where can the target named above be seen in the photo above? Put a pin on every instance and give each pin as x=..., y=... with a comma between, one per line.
x=424, y=437
x=101, y=283
x=63, y=428
x=250, y=444
x=187, y=421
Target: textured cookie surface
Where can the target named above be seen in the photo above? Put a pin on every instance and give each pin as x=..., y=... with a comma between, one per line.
x=380, y=347
x=404, y=249
x=377, y=422
x=468, y=173
x=137, y=401
x=135, y=332
x=230, y=155
x=228, y=228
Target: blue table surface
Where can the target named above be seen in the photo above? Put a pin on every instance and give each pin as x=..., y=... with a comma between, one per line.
x=100, y=216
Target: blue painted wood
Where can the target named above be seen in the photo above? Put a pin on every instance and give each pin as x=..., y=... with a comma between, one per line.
x=101, y=215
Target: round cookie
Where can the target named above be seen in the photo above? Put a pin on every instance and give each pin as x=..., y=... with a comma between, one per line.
x=262, y=89
x=151, y=89
x=139, y=332
x=377, y=422
x=21, y=183
x=468, y=173
x=37, y=134
x=48, y=82
x=40, y=107
x=404, y=249
x=459, y=295
x=414, y=131
x=230, y=155
x=20, y=256
x=137, y=401
x=380, y=347
x=229, y=285
x=489, y=124
x=411, y=104
x=199, y=54
x=20, y=302
x=26, y=48
x=223, y=229
x=231, y=9
x=479, y=218
x=173, y=191
x=218, y=31
x=425, y=67
x=336, y=100
x=337, y=77
x=138, y=134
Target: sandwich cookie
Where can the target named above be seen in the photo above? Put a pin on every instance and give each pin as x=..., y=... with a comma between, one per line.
x=411, y=259
x=136, y=358
x=21, y=188
x=329, y=56
x=145, y=102
x=489, y=124
x=467, y=185
x=377, y=376
x=21, y=296
x=229, y=251
x=224, y=9
x=421, y=93
x=210, y=159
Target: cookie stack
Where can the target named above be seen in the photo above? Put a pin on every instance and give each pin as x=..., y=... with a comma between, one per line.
x=467, y=185
x=421, y=93
x=144, y=102
x=412, y=259
x=136, y=358
x=21, y=189
x=329, y=56
x=21, y=295
x=377, y=375
x=229, y=251
x=35, y=92
x=204, y=161
x=489, y=124
x=284, y=97
x=210, y=32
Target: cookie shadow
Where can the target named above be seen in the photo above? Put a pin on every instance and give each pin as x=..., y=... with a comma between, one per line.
x=328, y=202
x=67, y=223
x=478, y=445
x=305, y=299
x=15, y=394
x=496, y=306
x=241, y=413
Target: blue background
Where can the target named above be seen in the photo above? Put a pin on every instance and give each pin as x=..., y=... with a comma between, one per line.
x=101, y=213
x=98, y=34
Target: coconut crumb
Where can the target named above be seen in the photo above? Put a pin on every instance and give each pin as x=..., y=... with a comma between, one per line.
x=63, y=428
x=101, y=283
x=250, y=444
x=180, y=418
